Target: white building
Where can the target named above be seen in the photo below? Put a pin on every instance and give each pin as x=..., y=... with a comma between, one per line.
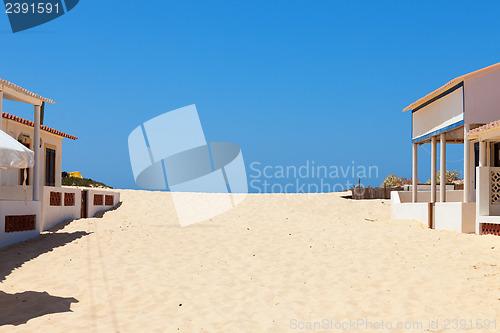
x=446, y=116
x=42, y=203
x=487, y=178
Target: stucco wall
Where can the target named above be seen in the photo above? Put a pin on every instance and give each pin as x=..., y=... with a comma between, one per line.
x=53, y=215
x=18, y=208
x=482, y=100
x=425, y=196
x=453, y=215
x=15, y=193
x=16, y=129
x=94, y=209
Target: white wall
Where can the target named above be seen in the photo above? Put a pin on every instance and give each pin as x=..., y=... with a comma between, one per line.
x=402, y=210
x=18, y=208
x=482, y=98
x=53, y=215
x=454, y=216
x=439, y=114
x=15, y=129
x=427, y=187
x=93, y=209
x=425, y=196
x=15, y=193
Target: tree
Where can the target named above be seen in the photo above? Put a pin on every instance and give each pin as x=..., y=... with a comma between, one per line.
x=394, y=181
x=451, y=176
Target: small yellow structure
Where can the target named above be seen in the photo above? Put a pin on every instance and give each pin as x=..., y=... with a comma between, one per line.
x=75, y=174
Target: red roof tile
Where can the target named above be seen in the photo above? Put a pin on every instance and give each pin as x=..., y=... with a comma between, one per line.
x=32, y=124
x=483, y=128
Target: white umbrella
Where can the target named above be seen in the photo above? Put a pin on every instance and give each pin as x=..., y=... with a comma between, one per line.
x=14, y=155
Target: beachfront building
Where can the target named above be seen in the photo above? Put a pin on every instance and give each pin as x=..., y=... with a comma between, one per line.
x=454, y=114
x=487, y=138
x=32, y=200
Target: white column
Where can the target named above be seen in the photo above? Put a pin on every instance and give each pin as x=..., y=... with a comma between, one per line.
x=1, y=109
x=36, y=149
x=442, y=184
x=466, y=164
x=488, y=153
x=414, y=173
x=482, y=153
x=433, y=168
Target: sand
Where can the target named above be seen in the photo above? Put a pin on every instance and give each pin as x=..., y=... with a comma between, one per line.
x=275, y=263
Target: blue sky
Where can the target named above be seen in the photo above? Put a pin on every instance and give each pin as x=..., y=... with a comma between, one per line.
x=289, y=81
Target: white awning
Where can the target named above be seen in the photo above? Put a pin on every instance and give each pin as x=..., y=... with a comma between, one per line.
x=13, y=154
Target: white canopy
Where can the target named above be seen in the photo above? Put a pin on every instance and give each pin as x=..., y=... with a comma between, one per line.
x=13, y=154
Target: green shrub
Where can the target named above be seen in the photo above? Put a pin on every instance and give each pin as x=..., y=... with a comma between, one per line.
x=85, y=182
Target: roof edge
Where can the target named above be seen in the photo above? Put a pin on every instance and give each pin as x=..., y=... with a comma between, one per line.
x=449, y=85
x=43, y=127
x=26, y=92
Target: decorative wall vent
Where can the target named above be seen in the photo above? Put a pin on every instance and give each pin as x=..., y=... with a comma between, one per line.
x=16, y=223
x=495, y=187
x=490, y=229
x=109, y=200
x=69, y=199
x=55, y=198
x=98, y=199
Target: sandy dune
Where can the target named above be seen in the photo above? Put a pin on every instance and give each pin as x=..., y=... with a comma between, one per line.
x=269, y=265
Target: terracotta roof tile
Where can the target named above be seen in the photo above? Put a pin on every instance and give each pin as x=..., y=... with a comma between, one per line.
x=43, y=127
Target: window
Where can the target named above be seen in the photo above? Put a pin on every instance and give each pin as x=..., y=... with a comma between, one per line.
x=50, y=167
x=25, y=140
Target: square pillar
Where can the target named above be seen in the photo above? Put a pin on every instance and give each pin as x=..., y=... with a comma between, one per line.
x=36, y=149
x=482, y=153
x=442, y=184
x=414, y=173
x=466, y=164
x=433, y=168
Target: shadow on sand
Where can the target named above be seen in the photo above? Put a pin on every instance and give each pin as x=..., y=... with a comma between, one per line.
x=18, y=308
x=101, y=214
x=14, y=256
